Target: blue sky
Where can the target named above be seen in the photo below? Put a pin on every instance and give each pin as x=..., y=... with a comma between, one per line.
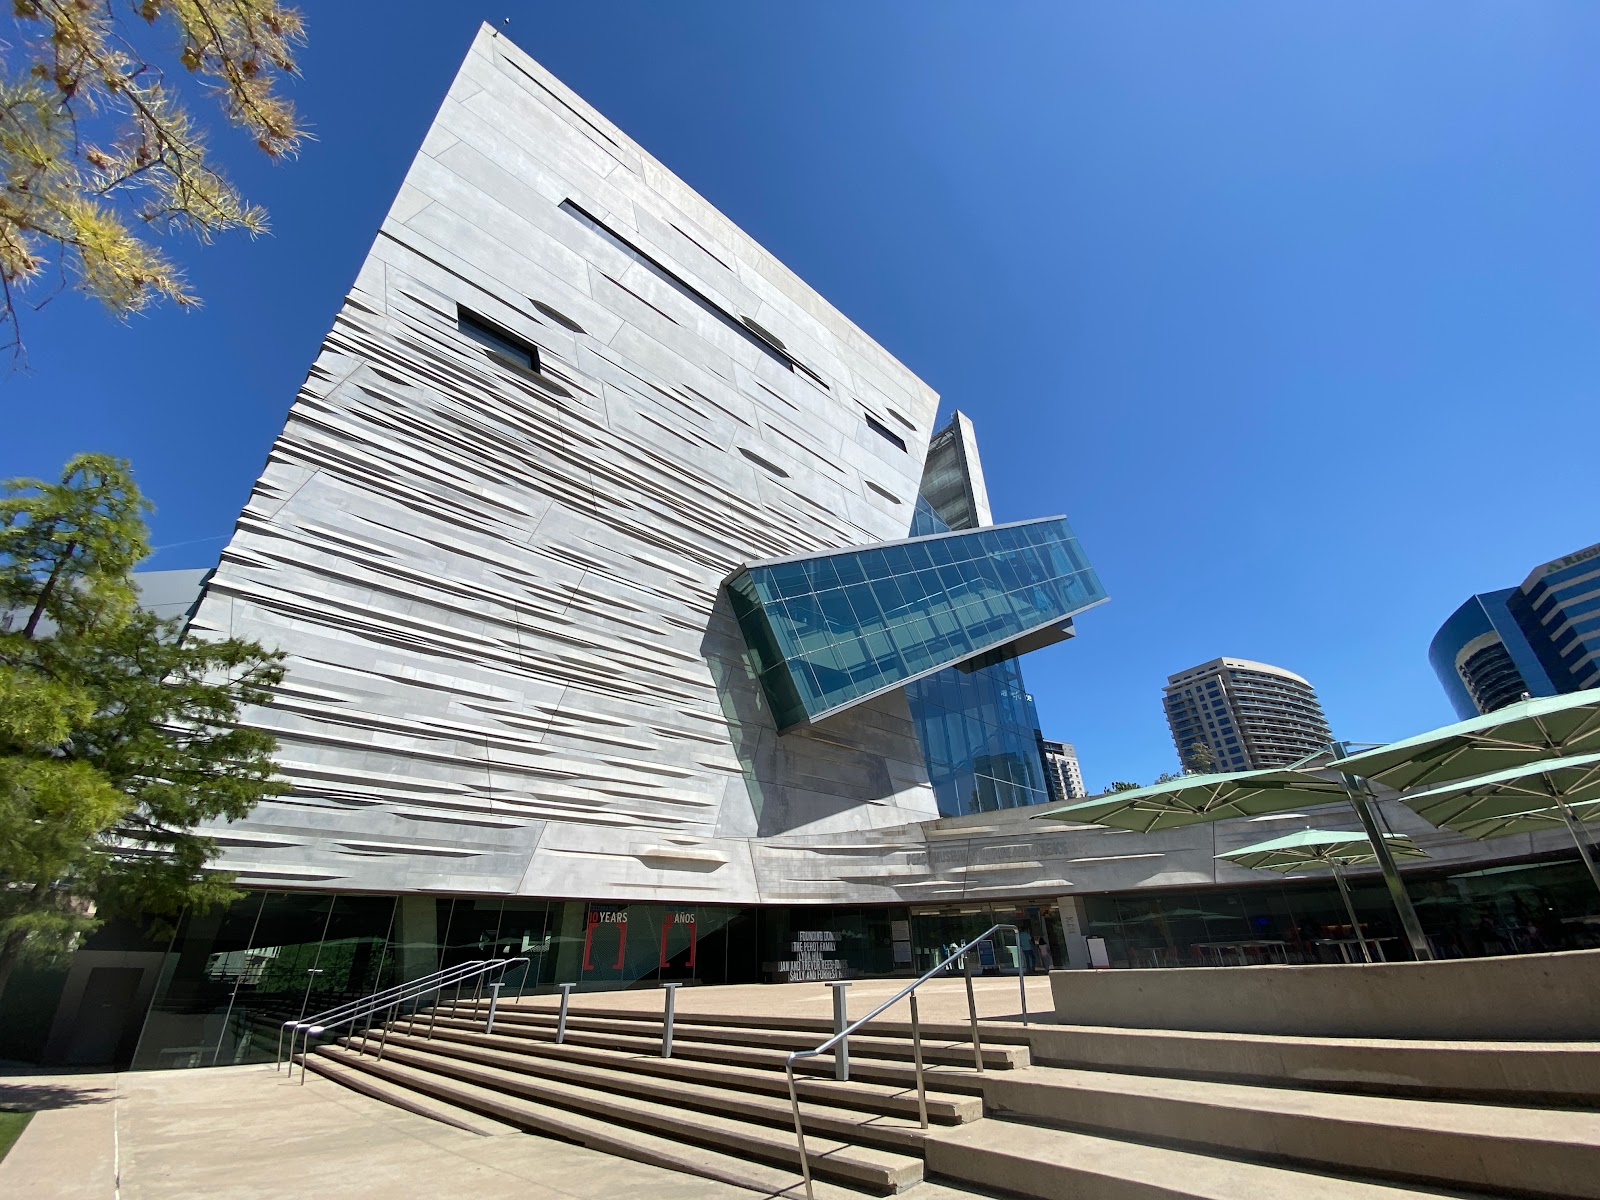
x=1293, y=308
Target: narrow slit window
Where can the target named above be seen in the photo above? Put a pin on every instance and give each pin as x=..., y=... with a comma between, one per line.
x=756, y=336
x=503, y=342
x=762, y=462
x=883, y=431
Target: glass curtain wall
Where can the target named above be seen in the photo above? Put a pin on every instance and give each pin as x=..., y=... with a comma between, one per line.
x=938, y=931
x=816, y=944
x=828, y=630
x=980, y=737
x=235, y=974
x=1509, y=909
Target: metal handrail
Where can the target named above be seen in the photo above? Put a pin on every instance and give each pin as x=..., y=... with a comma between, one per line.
x=339, y=1012
x=392, y=998
x=909, y=991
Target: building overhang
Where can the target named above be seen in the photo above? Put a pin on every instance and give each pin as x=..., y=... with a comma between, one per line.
x=832, y=630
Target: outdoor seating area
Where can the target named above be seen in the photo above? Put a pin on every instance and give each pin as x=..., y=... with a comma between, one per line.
x=1529, y=765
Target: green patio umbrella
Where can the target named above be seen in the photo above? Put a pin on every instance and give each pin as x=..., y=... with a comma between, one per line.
x=1522, y=799
x=1522, y=733
x=1331, y=848
x=1194, y=799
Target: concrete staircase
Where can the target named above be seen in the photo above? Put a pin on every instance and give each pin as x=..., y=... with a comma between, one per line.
x=1138, y=1114
x=719, y=1107
x=1072, y=1112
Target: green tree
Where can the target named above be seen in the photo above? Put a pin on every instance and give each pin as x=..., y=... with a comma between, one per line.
x=117, y=735
x=1168, y=776
x=1198, y=759
x=1122, y=785
x=96, y=141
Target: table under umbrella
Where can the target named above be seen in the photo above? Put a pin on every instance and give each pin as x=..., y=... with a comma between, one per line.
x=1331, y=848
x=1195, y=799
x=1522, y=799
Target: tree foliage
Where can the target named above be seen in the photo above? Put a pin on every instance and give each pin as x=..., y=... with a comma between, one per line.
x=1123, y=785
x=117, y=735
x=1198, y=759
x=96, y=140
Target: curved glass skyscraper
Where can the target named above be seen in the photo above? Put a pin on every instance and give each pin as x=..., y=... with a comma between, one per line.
x=1539, y=639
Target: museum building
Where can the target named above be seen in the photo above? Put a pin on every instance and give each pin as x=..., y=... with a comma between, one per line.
x=642, y=621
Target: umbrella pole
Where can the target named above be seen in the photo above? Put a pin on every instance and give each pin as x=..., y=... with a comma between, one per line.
x=1350, y=908
x=1391, y=874
x=1584, y=850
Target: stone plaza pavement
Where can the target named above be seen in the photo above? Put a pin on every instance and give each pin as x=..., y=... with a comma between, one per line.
x=244, y=1133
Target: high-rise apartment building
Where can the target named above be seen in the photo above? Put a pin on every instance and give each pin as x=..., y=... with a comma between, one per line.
x=1062, y=774
x=1539, y=639
x=1246, y=715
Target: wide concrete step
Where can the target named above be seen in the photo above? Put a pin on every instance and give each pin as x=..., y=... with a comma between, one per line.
x=961, y=1077
x=951, y=1051
x=398, y=1088
x=524, y=1100
x=854, y=1123
x=1497, y=1148
x=1561, y=1074
x=944, y=1108
x=403, y=1097
x=1058, y=1164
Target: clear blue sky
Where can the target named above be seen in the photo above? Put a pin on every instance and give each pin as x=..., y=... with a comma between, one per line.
x=1293, y=308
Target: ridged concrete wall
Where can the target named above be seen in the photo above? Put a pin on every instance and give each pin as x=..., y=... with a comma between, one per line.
x=510, y=669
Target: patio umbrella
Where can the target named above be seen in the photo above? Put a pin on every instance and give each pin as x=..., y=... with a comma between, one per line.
x=1195, y=799
x=1331, y=848
x=1523, y=799
x=1514, y=736
x=1199, y=798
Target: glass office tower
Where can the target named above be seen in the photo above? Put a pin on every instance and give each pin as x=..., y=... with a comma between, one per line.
x=1539, y=639
x=1558, y=607
x=1483, y=659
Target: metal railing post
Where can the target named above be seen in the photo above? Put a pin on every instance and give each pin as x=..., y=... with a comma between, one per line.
x=305, y=1050
x=916, y=1055
x=799, y=1130
x=841, y=1053
x=666, y=1025
x=1022, y=977
x=841, y=1038
x=561, y=1019
x=972, y=1012
x=433, y=1010
x=494, y=1001
x=383, y=1039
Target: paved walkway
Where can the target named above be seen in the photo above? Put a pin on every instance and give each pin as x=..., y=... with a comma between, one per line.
x=243, y=1133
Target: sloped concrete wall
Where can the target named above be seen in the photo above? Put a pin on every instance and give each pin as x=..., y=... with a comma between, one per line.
x=1516, y=997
